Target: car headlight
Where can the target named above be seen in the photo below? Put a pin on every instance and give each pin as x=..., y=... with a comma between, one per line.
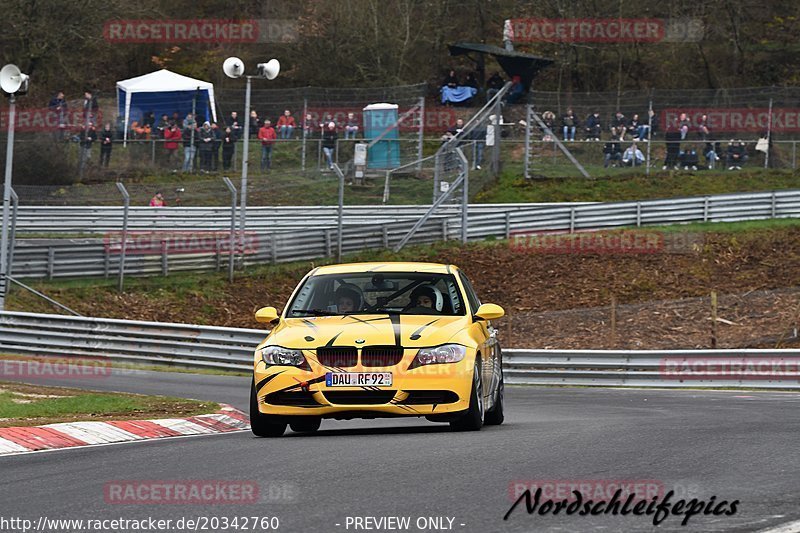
x=278, y=355
x=446, y=353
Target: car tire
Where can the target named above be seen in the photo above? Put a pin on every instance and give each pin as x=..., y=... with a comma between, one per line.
x=472, y=419
x=264, y=425
x=305, y=424
x=495, y=416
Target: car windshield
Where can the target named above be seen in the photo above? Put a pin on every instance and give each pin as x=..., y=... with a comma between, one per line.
x=406, y=293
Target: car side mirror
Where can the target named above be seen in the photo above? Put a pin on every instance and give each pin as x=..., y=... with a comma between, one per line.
x=489, y=312
x=267, y=315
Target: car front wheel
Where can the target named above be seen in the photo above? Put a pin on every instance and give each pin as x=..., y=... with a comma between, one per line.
x=472, y=419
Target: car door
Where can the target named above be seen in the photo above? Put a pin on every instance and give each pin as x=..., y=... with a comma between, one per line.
x=487, y=340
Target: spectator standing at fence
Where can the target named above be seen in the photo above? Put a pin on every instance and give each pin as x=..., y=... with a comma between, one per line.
x=215, y=144
x=90, y=107
x=611, y=153
x=736, y=155
x=549, y=119
x=87, y=137
x=255, y=124
x=683, y=125
x=672, y=138
x=569, y=123
x=286, y=125
x=158, y=200
x=206, y=146
x=233, y=124
x=267, y=136
x=189, y=122
x=351, y=126
x=309, y=126
x=106, y=144
x=163, y=124
x=172, y=137
x=633, y=157
x=594, y=126
x=493, y=85
x=190, y=137
x=59, y=106
x=329, y=138
x=228, y=148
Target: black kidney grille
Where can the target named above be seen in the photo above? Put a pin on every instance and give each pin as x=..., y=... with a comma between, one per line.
x=381, y=355
x=337, y=356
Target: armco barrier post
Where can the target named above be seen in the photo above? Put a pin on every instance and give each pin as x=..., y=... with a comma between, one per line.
x=231, y=244
x=126, y=198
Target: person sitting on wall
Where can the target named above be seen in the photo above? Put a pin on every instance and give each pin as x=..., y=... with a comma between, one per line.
x=516, y=92
x=493, y=85
x=633, y=157
x=286, y=125
x=594, y=127
x=736, y=155
x=611, y=153
x=689, y=158
x=454, y=93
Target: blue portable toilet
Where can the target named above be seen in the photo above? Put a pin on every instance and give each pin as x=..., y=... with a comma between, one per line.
x=378, y=118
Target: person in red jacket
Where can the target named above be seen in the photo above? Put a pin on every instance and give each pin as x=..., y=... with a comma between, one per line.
x=267, y=136
x=172, y=138
x=286, y=125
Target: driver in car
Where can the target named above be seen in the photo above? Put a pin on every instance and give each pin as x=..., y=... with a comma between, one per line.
x=427, y=299
x=347, y=300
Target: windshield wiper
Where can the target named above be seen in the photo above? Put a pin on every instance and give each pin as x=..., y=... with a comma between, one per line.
x=314, y=312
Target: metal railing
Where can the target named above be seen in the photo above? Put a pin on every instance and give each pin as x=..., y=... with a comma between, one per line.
x=51, y=258
x=736, y=368
x=130, y=341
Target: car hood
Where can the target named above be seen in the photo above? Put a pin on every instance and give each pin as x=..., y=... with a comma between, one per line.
x=374, y=329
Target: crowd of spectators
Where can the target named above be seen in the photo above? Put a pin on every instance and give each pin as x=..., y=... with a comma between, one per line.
x=201, y=140
x=685, y=142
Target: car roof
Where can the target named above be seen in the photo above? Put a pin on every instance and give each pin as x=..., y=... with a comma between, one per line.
x=350, y=268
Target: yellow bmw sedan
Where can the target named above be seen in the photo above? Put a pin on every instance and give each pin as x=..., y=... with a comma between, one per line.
x=370, y=340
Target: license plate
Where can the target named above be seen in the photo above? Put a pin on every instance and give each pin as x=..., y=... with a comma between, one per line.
x=358, y=379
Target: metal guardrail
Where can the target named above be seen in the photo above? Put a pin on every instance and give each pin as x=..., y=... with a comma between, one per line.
x=131, y=341
x=654, y=368
x=53, y=258
x=102, y=220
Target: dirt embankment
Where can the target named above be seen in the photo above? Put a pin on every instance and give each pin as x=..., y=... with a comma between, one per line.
x=668, y=283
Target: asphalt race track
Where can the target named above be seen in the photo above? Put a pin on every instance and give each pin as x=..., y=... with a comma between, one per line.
x=732, y=445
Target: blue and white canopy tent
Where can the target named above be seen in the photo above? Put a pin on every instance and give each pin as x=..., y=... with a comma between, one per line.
x=164, y=92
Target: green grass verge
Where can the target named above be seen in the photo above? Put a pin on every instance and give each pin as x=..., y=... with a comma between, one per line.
x=616, y=185
x=26, y=405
